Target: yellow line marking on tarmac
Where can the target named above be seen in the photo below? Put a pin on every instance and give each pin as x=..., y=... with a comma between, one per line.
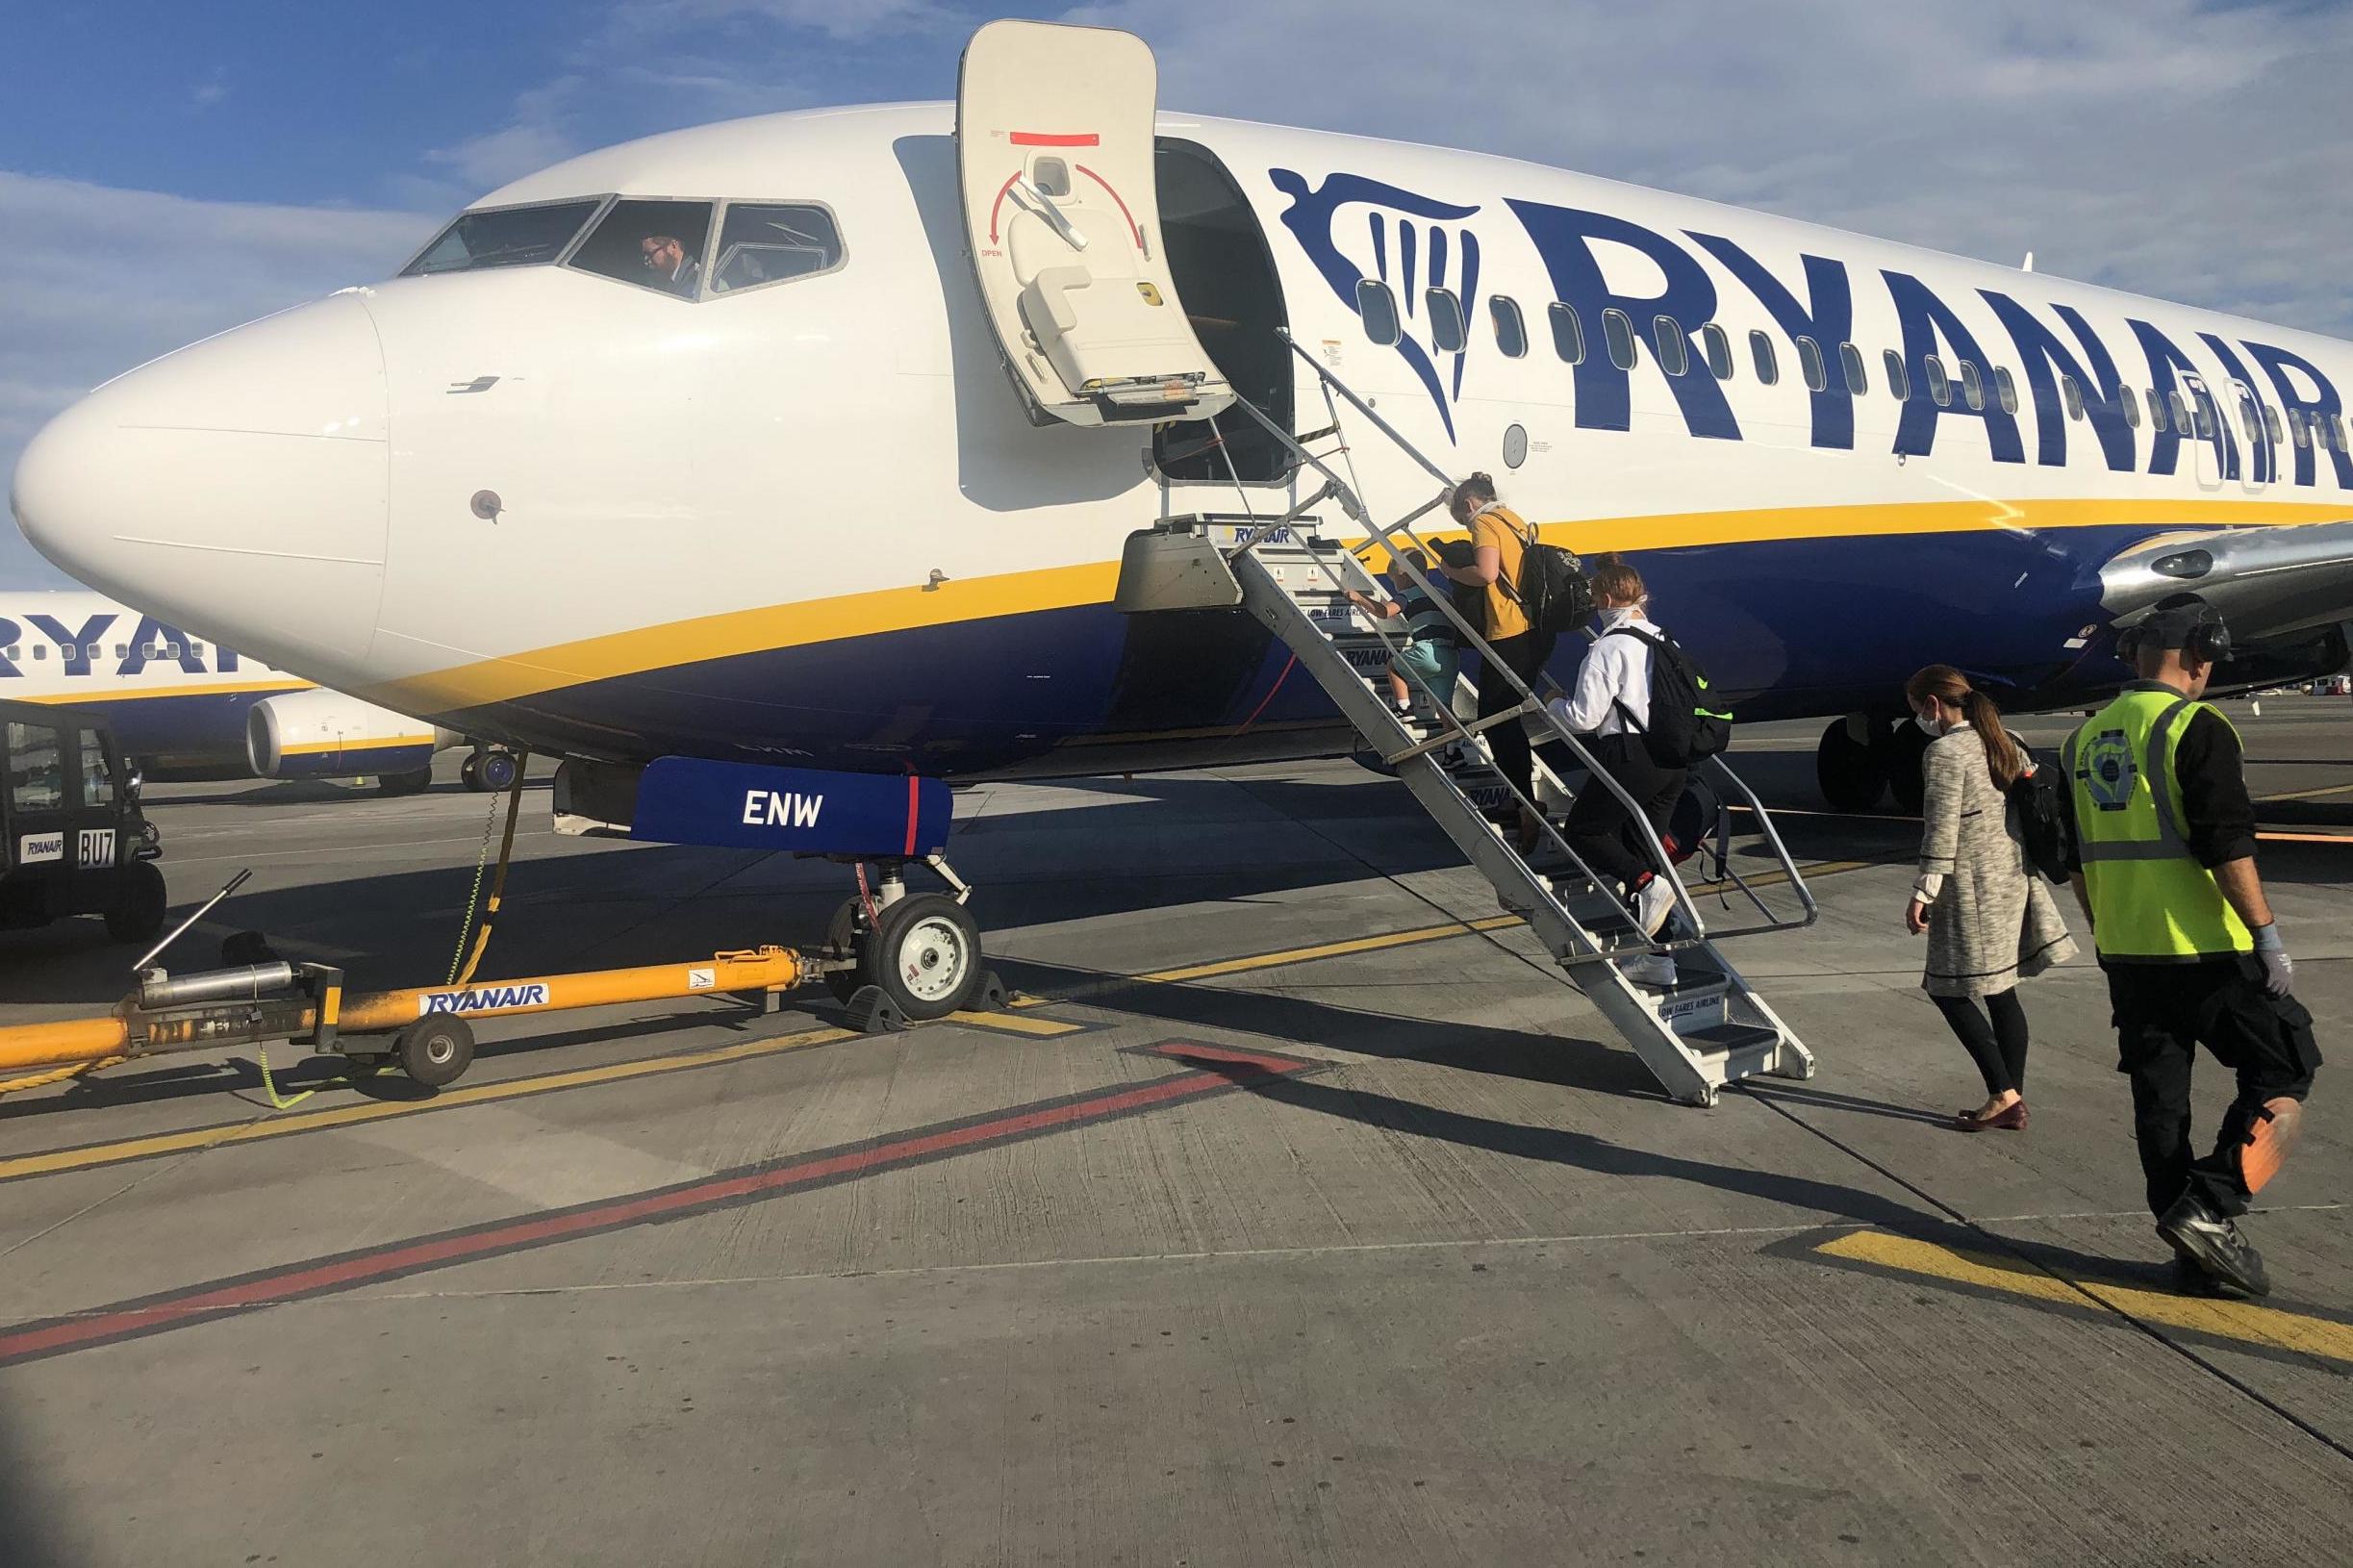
x=2304, y=795
x=91, y=1155
x=1326, y=949
x=2268, y=1327
x=477, y=1094
x=1042, y=1026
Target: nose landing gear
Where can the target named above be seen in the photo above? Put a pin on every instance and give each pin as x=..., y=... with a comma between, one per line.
x=895, y=957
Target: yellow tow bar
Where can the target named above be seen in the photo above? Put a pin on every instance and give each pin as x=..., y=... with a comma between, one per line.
x=307, y=1004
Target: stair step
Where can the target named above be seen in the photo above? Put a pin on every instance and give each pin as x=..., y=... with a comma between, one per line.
x=1724, y=1039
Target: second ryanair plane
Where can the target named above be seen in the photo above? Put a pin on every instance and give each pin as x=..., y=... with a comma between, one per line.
x=813, y=438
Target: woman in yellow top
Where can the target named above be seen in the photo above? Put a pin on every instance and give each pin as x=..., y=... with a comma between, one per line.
x=1499, y=538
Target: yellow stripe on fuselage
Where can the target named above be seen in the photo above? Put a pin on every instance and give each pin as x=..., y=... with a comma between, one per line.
x=134, y=693
x=1061, y=588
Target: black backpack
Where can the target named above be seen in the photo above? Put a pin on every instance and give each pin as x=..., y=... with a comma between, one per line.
x=1683, y=728
x=1551, y=587
x=2045, y=813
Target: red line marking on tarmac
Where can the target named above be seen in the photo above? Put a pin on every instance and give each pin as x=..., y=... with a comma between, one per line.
x=1213, y=1069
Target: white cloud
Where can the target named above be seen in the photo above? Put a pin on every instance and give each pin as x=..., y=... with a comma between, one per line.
x=94, y=279
x=2176, y=148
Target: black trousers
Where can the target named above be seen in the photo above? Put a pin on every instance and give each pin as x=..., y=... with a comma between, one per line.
x=1601, y=829
x=2162, y=1013
x=1526, y=654
x=1995, y=1038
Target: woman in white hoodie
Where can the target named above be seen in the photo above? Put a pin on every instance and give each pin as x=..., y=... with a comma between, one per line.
x=1611, y=705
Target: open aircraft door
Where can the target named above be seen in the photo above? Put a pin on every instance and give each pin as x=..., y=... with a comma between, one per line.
x=1054, y=150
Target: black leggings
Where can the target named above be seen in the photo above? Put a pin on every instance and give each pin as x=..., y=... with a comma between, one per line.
x=1526, y=654
x=1599, y=826
x=1998, y=1049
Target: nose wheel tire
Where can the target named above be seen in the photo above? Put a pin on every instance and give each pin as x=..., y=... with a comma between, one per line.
x=435, y=1051
x=925, y=954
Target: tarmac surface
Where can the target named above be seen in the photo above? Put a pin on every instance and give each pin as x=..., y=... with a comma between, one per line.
x=1300, y=1212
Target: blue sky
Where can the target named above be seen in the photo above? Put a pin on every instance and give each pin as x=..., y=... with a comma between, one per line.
x=170, y=170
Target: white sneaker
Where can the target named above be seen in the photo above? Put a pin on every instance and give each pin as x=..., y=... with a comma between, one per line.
x=1650, y=969
x=1654, y=904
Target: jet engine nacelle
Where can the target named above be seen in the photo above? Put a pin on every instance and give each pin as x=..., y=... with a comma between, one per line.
x=325, y=734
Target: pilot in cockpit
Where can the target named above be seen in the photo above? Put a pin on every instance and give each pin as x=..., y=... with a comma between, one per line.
x=672, y=269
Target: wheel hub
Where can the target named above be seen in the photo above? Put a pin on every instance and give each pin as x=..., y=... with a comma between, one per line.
x=933, y=960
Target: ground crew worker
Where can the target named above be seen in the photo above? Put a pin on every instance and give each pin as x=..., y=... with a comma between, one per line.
x=2165, y=844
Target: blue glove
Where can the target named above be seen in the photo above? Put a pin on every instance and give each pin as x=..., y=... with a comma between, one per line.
x=2279, y=970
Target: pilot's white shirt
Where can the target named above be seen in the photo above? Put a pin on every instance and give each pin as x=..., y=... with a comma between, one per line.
x=1617, y=670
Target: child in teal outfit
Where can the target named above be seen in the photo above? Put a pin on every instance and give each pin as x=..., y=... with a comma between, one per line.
x=1432, y=658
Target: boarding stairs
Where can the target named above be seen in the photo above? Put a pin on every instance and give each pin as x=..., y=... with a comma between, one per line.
x=1707, y=1028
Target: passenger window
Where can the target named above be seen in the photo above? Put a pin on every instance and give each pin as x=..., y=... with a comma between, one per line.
x=2156, y=410
x=508, y=237
x=1850, y=360
x=1768, y=362
x=2132, y=408
x=1972, y=385
x=1568, y=332
x=2297, y=428
x=1939, y=388
x=760, y=244
x=2272, y=423
x=1448, y=334
x=1511, y=331
x=2210, y=414
x=122, y=650
x=1377, y=307
x=2247, y=422
x=1809, y=363
x=36, y=766
x=1718, y=348
x=655, y=244
x=97, y=787
x=2182, y=420
x=1618, y=332
x=2006, y=386
x=1674, y=348
x=1899, y=379
x=2073, y=395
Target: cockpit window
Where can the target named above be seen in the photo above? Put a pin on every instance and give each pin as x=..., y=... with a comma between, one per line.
x=504, y=237
x=770, y=243
x=658, y=245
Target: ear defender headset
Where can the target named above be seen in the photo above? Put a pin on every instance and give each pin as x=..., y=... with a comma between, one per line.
x=2179, y=620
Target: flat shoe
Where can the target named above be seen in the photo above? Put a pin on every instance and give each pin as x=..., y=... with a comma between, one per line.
x=2011, y=1117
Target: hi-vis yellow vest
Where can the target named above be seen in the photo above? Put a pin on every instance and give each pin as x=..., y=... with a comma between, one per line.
x=2151, y=900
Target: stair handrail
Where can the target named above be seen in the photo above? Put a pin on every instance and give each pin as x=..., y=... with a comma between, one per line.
x=1441, y=597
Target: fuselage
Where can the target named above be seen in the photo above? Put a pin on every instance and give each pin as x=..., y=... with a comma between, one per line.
x=808, y=518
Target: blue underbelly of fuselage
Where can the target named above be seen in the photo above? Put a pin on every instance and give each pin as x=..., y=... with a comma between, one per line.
x=1788, y=628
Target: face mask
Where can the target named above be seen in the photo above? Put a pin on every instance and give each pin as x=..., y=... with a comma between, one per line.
x=1616, y=614
x=1928, y=726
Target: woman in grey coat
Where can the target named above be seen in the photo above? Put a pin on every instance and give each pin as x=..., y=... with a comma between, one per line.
x=1989, y=920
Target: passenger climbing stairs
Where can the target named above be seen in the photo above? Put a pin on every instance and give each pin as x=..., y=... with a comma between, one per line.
x=1704, y=1028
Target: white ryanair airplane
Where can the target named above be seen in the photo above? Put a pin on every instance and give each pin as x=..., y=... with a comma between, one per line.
x=811, y=440
x=182, y=709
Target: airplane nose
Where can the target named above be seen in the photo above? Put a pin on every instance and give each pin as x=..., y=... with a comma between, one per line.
x=236, y=487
